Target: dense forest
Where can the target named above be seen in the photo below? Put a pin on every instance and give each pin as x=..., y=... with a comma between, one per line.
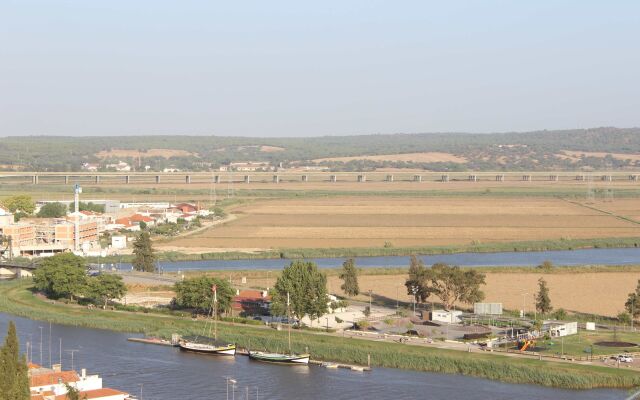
x=539, y=150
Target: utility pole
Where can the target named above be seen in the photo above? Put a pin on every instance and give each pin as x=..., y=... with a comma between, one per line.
x=76, y=200
x=40, y=346
x=370, y=292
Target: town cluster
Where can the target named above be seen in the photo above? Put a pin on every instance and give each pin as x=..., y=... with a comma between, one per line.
x=86, y=232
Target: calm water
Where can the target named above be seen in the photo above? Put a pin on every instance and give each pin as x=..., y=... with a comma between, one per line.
x=623, y=256
x=166, y=373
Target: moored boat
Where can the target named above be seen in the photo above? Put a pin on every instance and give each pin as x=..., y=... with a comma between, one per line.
x=205, y=348
x=294, y=359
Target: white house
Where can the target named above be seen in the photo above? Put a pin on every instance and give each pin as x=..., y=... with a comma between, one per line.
x=119, y=242
x=560, y=328
x=55, y=381
x=451, y=317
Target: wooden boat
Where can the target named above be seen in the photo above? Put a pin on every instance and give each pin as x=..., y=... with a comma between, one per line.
x=207, y=345
x=294, y=359
x=205, y=348
x=290, y=358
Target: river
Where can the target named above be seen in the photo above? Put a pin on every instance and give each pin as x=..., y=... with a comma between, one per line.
x=613, y=256
x=166, y=373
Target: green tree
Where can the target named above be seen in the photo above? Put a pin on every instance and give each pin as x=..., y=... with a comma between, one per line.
x=73, y=393
x=14, y=381
x=63, y=275
x=349, y=276
x=52, y=210
x=105, y=287
x=307, y=289
x=145, y=258
x=90, y=206
x=624, y=318
x=417, y=280
x=543, y=302
x=20, y=204
x=197, y=293
x=453, y=284
x=633, y=302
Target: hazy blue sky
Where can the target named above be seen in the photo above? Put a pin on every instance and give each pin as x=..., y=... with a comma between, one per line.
x=296, y=68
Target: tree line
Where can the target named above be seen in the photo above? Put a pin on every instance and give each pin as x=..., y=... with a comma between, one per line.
x=64, y=276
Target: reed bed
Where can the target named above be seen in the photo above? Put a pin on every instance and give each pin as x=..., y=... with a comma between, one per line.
x=17, y=299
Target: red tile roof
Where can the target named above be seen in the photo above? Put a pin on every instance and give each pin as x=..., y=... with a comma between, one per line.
x=95, y=394
x=53, y=378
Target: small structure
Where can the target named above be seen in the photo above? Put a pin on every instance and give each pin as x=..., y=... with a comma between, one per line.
x=119, y=242
x=487, y=308
x=451, y=317
x=590, y=326
x=560, y=328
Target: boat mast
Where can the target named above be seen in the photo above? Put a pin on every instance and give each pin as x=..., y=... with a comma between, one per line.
x=289, y=320
x=215, y=312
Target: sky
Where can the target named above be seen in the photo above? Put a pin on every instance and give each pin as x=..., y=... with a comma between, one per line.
x=303, y=68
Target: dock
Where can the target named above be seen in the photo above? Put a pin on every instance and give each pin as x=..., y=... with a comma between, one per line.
x=245, y=352
x=156, y=341
x=335, y=365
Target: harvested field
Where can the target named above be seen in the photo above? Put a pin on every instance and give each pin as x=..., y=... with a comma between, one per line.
x=406, y=157
x=577, y=155
x=602, y=293
x=166, y=153
x=407, y=221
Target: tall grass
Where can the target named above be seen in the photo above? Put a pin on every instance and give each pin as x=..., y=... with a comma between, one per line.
x=15, y=298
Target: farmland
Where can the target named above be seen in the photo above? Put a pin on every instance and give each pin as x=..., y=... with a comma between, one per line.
x=573, y=291
x=376, y=221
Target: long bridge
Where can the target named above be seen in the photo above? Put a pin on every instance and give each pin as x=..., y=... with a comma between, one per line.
x=97, y=178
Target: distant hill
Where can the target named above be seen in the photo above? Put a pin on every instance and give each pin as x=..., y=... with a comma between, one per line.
x=598, y=148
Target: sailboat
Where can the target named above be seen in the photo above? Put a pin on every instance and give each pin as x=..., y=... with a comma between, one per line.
x=205, y=344
x=290, y=358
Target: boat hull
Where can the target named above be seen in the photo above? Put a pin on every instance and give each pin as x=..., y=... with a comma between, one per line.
x=229, y=350
x=294, y=359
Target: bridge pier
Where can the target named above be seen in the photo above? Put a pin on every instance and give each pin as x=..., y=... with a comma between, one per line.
x=216, y=179
x=473, y=178
x=499, y=178
x=127, y=179
x=66, y=179
x=97, y=180
x=389, y=178
x=333, y=178
x=444, y=178
x=247, y=179
x=633, y=178
x=607, y=178
x=362, y=178
x=581, y=178
x=187, y=179
x=553, y=178
x=305, y=178
x=157, y=179
x=34, y=179
x=276, y=179
x=417, y=178
x=526, y=178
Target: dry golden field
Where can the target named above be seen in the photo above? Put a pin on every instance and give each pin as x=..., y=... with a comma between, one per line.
x=338, y=222
x=602, y=293
x=408, y=157
x=166, y=153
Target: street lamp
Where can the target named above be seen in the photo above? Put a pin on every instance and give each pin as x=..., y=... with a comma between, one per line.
x=524, y=309
x=397, y=301
x=233, y=386
x=370, y=291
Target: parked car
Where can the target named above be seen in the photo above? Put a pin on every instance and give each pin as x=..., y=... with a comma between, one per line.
x=625, y=358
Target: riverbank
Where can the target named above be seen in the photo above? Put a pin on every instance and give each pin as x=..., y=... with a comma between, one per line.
x=17, y=299
x=525, y=246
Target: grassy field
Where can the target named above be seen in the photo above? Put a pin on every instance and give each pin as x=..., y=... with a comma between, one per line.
x=15, y=298
x=357, y=221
